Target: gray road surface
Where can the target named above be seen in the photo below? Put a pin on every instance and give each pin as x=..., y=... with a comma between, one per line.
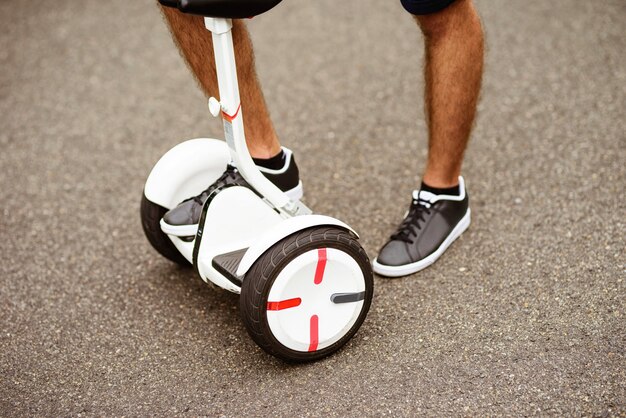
x=525, y=315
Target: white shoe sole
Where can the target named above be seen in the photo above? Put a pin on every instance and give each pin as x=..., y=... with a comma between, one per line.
x=190, y=230
x=398, y=271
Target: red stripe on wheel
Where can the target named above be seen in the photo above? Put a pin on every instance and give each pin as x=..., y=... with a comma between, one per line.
x=321, y=265
x=283, y=304
x=314, y=333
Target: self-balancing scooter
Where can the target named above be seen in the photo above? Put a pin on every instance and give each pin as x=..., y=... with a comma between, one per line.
x=305, y=283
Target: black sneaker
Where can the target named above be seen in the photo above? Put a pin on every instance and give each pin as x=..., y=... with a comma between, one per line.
x=431, y=225
x=183, y=220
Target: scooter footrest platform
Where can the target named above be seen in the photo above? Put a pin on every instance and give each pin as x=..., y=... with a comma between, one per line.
x=228, y=263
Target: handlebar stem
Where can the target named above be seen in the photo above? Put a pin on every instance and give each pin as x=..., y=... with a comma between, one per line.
x=232, y=117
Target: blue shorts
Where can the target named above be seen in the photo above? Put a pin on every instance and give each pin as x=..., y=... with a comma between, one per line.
x=424, y=7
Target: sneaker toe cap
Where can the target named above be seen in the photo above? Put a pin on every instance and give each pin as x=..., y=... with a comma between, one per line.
x=181, y=214
x=394, y=253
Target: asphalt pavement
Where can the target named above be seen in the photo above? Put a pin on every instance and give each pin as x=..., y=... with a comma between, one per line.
x=523, y=316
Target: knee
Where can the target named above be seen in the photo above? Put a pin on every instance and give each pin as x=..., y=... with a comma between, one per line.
x=459, y=16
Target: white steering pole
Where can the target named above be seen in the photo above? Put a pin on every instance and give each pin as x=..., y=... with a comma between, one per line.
x=229, y=108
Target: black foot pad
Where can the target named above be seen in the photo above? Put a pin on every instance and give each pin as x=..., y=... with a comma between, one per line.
x=228, y=263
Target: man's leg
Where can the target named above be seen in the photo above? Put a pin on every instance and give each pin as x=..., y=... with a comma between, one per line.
x=453, y=73
x=439, y=211
x=196, y=46
x=275, y=163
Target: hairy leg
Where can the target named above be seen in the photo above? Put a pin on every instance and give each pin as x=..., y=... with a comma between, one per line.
x=453, y=74
x=196, y=46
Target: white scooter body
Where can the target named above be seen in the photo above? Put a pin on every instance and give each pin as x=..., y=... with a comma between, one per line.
x=236, y=218
x=317, y=294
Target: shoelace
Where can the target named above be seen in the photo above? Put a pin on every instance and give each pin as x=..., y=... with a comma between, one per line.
x=230, y=173
x=412, y=223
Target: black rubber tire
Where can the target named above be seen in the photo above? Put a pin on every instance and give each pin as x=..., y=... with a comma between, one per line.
x=151, y=215
x=260, y=278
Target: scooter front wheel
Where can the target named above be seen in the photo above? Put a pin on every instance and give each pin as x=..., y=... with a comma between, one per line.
x=306, y=296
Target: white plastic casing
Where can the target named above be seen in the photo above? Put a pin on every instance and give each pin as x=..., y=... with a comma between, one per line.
x=235, y=219
x=186, y=170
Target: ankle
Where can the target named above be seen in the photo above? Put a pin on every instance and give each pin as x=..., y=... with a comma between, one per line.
x=265, y=149
x=440, y=180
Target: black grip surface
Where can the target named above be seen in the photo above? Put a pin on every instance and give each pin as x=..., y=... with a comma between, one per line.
x=231, y=9
x=170, y=3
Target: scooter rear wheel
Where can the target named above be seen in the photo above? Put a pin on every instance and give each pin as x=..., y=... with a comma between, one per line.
x=151, y=215
x=306, y=296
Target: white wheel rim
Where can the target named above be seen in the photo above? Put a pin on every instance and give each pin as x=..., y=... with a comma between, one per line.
x=300, y=311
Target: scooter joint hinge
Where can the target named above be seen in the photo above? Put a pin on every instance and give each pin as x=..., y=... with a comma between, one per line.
x=296, y=209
